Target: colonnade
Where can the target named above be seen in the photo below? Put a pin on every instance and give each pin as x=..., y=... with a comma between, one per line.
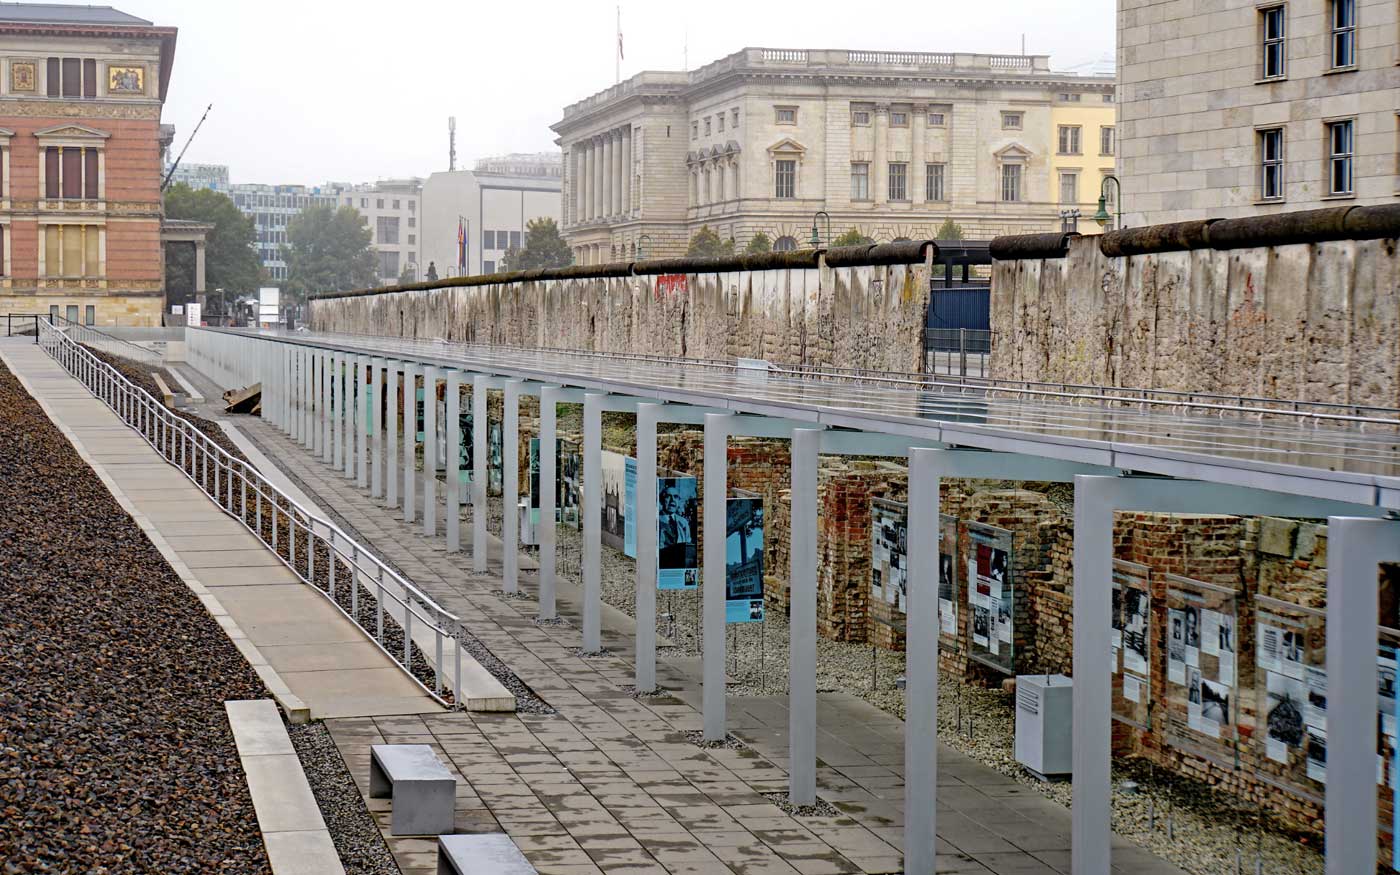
x=302, y=383
x=601, y=176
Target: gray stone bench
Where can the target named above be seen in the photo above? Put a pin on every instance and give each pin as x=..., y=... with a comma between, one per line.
x=487, y=854
x=423, y=790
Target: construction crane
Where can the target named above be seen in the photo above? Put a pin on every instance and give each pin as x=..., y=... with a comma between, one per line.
x=165, y=183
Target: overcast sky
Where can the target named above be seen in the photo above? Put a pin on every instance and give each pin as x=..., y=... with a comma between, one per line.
x=306, y=91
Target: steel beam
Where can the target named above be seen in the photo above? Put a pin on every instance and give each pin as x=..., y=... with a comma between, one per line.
x=921, y=668
x=452, y=514
x=647, y=416
x=592, y=520
x=479, y=510
x=376, y=427
x=547, y=536
x=391, y=433
x=430, y=451
x=363, y=388
x=410, y=441
x=802, y=643
x=510, y=488
x=714, y=523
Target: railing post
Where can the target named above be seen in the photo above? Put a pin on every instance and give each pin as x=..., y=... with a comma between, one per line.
x=962, y=352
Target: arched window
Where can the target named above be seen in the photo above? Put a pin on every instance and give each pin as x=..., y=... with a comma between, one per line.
x=784, y=244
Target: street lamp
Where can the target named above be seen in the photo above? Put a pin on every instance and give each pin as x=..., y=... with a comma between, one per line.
x=1102, y=216
x=642, y=250
x=816, y=238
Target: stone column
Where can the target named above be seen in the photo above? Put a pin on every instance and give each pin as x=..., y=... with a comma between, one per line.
x=199, y=269
x=605, y=208
x=878, y=167
x=580, y=179
x=917, y=154
x=597, y=197
x=587, y=209
x=617, y=173
x=627, y=170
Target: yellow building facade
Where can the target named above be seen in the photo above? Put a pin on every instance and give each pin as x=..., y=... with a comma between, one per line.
x=1084, y=143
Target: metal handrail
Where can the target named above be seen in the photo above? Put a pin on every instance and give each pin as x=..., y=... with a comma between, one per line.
x=317, y=551
x=89, y=336
x=1206, y=402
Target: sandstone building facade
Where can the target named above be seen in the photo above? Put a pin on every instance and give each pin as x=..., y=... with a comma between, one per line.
x=81, y=90
x=890, y=143
x=1256, y=107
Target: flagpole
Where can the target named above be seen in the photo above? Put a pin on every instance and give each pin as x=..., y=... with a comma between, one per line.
x=617, y=49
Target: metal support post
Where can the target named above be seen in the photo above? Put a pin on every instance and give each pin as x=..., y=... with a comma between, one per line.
x=410, y=441
x=802, y=664
x=324, y=362
x=714, y=526
x=376, y=427
x=921, y=670
x=308, y=395
x=479, y=510
x=510, y=517
x=347, y=421
x=647, y=416
x=592, y=521
x=362, y=431
x=391, y=434
x=452, y=515
x=430, y=378
x=549, y=411
x=1356, y=547
x=1092, y=707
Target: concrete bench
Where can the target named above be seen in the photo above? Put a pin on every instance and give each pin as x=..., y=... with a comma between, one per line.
x=488, y=854
x=423, y=790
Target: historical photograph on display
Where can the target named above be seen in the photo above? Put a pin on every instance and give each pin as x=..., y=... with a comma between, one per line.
x=1286, y=704
x=981, y=624
x=614, y=510
x=889, y=553
x=629, y=506
x=1317, y=754
x=466, y=457
x=991, y=593
x=495, y=460
x=534, y=461
x=1176, y=646
x=947, y=576
x=1116, y=619
x=1135, y=623
x=568, y=470
x=677, y=513
x=743, y=560
x=1215, y=706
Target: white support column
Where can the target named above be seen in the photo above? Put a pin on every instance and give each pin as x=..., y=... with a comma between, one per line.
x=647, y=417
x=479, y=511
x=714, y=526
x=410, y=442
x=327, y=420
x=1092, y=707
x=591, y=510
x=391, y=434
x=363, y=387
x=921, y=669
x=510, y=489
x=308, y=390
x=452, y=514
x=549, y=410
x=376, y=426
x=338, y=414
x=430, y=379
x=284, y=392
x=1355, y=547
x=294, y=389
x=802, y=662
x=352, y=404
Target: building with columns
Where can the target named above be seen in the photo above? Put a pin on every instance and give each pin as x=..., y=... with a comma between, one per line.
x=890, y=143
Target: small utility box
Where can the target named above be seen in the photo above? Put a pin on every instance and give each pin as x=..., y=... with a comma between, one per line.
x=1044, y=724
x=528, y=535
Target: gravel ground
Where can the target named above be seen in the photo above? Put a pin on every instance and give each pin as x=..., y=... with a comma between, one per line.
x=357, y=837
x=115, y=752
x=1207, y=827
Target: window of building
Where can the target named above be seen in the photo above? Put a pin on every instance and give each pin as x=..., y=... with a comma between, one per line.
x=1271, y=164
x=386, y=230
x=72, y=251
x=1069, y=187
x=937, y=120
x=785, y=115
x=695, y=130
x=389, y=264
x=1106, y=137
x=707, y=125
x=488, y=267
x=73, y=313
x=514, y=239
x=899, y=119
x=1108, y=98
x=860, y=181
x=90, y=315
x=1070, y=97
x=719, y=122
x=364, y=203
x=412, y=207
x=1273, y=23
x=1011, y=121
x=860, y=117
x=396, y=205
x=785, y=244
x=1343, y=20
x=412, y=220
x=934, y=189
x=1010, y=182
x=488, y=239
x=785, y=179
x=1069, y=139
x=412, y=239
x=71, y=77
x=412, y=257
x=379, y=203
x=1341, y=151
x=53, y=313
x=899, y=181
x=71, y=172
x=734, y=118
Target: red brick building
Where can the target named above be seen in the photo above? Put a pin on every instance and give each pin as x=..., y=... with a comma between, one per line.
x=81, y=91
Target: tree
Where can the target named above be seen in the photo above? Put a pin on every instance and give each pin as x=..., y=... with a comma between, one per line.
x=949, y=230
x=707, y=244
x=853, y=237
x=759, y=243
x=543, y=247
x=328, y=252
x=230, y=261
x=406, y=276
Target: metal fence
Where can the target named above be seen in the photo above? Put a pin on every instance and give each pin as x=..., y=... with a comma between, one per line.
x=962, y=352
x=388, y=608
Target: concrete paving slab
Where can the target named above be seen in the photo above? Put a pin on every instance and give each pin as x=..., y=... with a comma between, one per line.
x=260, y=558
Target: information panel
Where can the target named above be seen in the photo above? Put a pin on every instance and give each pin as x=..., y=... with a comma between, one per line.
x=948, y=580
x=1203, y=682
x=495, y=459
x=889, y=553
x=1290, y=645
x=677, y=524
x=743, y=560
x=1132, y=639
x=991, y=597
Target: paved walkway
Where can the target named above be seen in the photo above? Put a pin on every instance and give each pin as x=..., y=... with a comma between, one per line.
x=613, y=784
x=322, y=657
